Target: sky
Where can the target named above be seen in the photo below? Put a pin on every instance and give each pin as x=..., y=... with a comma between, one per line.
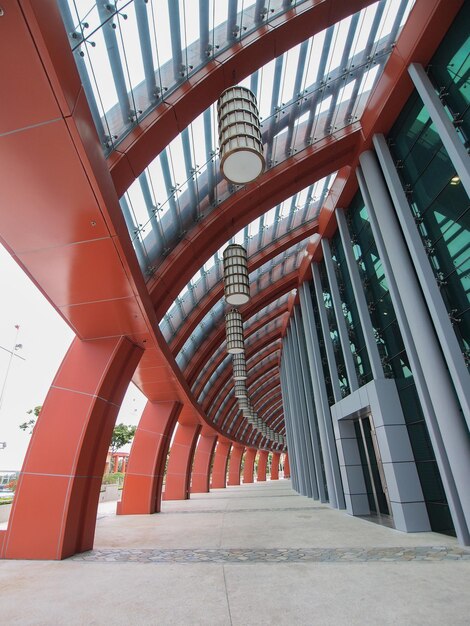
x=45, y=338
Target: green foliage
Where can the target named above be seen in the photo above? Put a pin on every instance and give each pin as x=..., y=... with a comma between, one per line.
x=112, y=479
x=29, y=425
x=122, y=434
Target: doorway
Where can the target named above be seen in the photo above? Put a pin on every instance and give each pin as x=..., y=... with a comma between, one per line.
x=374, y=477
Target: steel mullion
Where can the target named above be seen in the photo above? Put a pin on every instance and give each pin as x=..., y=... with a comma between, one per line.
x=175, y=36
x=151, y=208
x=204, y=51
x=146, y=48
x=170, y=188
x=343, y=68
x=112, y=49
x=296, y=92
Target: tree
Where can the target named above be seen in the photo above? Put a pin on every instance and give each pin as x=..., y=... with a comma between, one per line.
x=29, y=425
x=122, y=433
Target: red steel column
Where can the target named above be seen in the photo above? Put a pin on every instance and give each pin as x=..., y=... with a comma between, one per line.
x=286, y=466
x=262, y=462
x=219, y=470
x=249, y=467
x=178, y=475
x=235, y=464
x=55, y=505
x=142, y=492
x=202, y=464
x=275, y=466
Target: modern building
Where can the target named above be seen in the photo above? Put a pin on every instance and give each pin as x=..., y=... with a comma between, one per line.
x=357, y=333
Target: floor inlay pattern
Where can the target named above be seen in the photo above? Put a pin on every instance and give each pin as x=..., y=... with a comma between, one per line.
x=307, y=509
x=288, y=555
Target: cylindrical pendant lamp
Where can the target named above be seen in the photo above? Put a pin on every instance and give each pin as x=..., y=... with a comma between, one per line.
x=239, y=366
x=240, y=389
x=236, y=280
x=234, y=329
x=241, y=146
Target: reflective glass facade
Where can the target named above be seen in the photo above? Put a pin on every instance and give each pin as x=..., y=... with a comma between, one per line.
x=438, y=200
x=395, y=362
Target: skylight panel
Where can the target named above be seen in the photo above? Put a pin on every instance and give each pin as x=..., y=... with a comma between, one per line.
x=161, y=31
x=99, y=70
x=313, y=59
x=388, y=18
x=254, y=227
x=177, y=163
x=137, y=204
x=127, y=36
x=361, y=36
x=324, y=105
x=265, y=89
x=189, y=19
x=368, y=79
x=339, y=40
x=289, y=71
x=157, y=184
x=347, y=91
x=269, y=217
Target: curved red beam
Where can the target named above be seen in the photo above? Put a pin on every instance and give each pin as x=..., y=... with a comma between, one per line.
x=213, y=296
x=259, y=356
x=266, y=373
x=214, y=340
x=195, y=95
x=211, y=399
x=275, y=186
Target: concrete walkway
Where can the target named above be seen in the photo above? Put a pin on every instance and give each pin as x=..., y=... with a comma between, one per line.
x=254, y=554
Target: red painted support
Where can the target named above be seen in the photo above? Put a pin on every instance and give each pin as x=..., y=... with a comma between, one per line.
x=275, y=466
x=142, y=492
x=286, y=466
x=178, y=476
x=262, y=463
x=55, y=505
x=235, y=464
x=249, y=468
x=219, y=470
x=200, y=477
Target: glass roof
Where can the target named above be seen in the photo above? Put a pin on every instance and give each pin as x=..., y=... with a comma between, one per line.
x=128, y=50
x=298, y=211
x=269, y=273
x=132, y=54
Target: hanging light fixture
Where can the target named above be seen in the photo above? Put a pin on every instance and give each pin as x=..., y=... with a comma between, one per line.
x=240, y=143
x=234, y=329
x=236, y=280
x=239, y=366
x=240, y=389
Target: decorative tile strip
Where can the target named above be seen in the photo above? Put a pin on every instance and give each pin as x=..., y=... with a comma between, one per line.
x=430, y=554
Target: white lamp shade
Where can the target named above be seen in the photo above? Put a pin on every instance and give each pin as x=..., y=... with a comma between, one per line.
x=236, y=278
x=239, y=366
x=241, y=147
x=240, y=389
x=234, y=329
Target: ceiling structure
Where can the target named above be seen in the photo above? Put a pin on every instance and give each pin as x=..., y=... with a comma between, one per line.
x=327, y=75
x=133, y=58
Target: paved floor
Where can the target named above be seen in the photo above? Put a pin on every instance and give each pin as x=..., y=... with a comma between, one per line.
x=248, y=555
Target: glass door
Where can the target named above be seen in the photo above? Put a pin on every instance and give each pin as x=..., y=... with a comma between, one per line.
x=374, y=476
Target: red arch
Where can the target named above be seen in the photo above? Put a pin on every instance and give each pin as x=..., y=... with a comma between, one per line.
x=219, y=470
x=200, y=477
x=66, y=457
x=142, y=492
